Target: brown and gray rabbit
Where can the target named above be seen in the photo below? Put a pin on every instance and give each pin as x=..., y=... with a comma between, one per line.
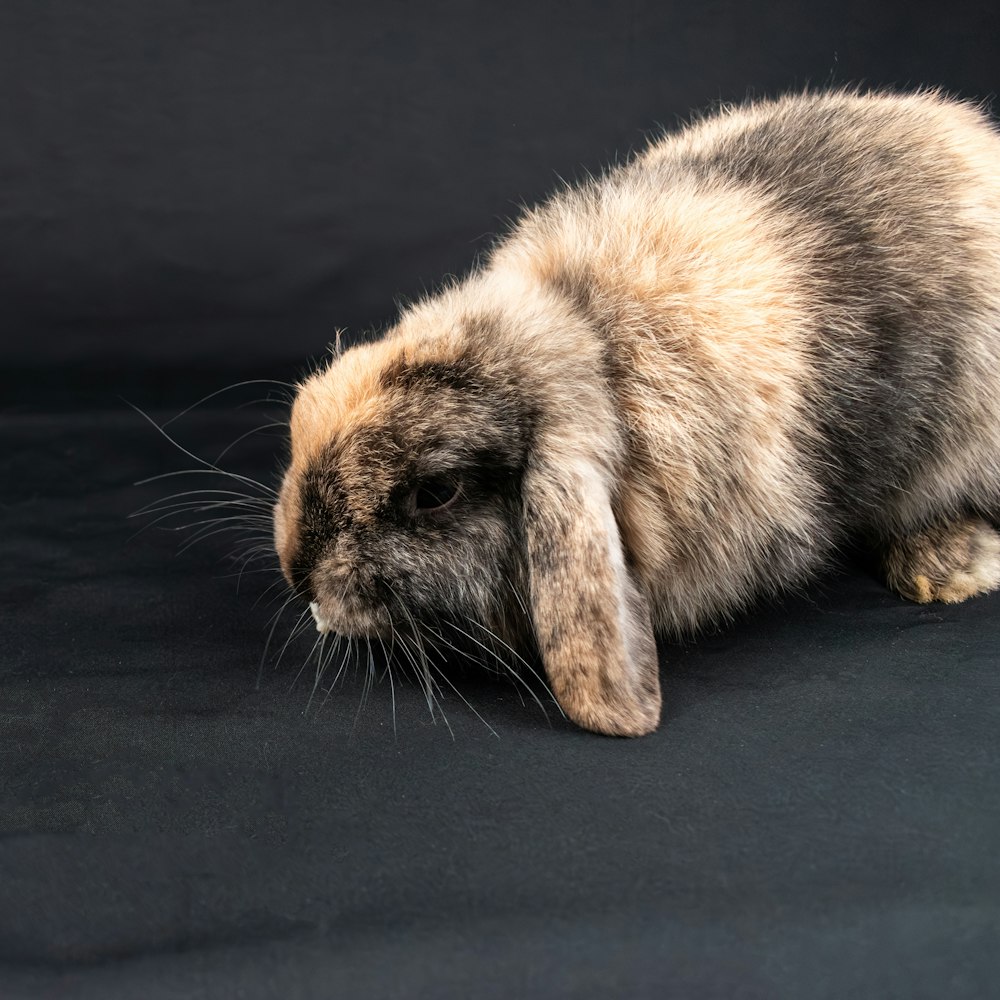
x=671, y=390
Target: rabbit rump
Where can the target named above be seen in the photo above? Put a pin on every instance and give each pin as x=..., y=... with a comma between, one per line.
x=672, y=390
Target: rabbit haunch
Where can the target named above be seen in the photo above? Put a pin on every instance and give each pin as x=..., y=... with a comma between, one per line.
x=674, y=389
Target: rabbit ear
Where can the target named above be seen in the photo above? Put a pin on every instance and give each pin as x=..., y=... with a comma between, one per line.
x=591, y=619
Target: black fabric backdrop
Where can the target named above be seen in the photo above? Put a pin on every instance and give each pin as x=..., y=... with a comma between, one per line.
x=196, y=194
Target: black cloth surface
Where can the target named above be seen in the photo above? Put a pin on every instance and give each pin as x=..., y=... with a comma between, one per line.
x=192, y=195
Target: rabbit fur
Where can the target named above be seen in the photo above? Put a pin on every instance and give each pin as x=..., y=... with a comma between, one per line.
x=674, y=389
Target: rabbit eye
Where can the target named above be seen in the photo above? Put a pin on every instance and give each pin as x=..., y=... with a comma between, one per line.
x=434, y=494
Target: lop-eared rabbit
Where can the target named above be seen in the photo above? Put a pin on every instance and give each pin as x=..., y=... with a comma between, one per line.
x=672, y=390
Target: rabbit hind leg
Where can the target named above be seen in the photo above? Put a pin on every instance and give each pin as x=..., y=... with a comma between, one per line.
x=949, y=562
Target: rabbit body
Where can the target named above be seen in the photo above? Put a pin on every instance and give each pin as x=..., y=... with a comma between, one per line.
x=690, y=379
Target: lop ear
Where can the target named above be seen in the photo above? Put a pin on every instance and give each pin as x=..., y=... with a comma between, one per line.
x=591, y=619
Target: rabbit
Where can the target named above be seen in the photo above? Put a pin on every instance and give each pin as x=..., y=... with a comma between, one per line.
x=671, y=391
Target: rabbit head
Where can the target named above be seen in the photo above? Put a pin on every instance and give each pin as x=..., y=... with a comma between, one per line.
x=463, y=469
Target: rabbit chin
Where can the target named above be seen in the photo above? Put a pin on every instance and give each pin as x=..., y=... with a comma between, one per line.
x=356, y=626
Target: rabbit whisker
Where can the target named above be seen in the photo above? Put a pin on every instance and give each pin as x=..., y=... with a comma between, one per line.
x=229, y=388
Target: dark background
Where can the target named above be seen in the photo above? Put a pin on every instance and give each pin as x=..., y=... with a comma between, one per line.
x=197, y=194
